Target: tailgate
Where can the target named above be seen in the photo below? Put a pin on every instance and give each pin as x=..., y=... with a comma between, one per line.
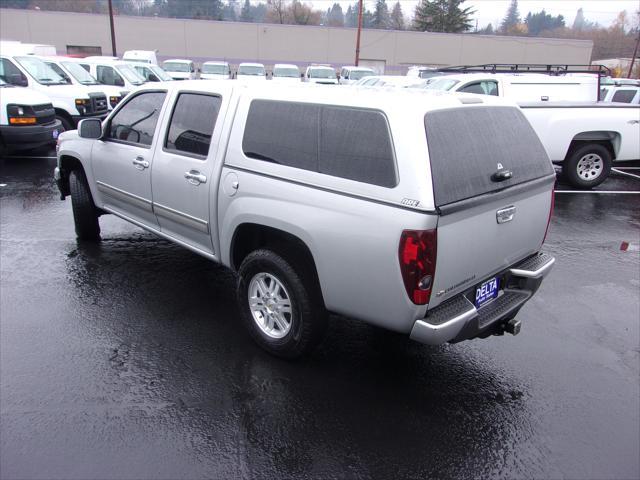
x=492, y=183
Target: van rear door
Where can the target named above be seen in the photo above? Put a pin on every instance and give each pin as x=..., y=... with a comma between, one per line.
x=492, y=184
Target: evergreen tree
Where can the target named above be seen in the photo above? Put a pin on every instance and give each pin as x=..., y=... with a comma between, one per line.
x=542, y=21
x=442, y=16
x=381, y=18
x=397, y=17
x=512, y=18
x=229, y=11
x=351, y=17
x=246, y=14
x=335, y=16
x=488, y=30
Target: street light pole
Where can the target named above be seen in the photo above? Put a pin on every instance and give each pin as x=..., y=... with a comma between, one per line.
x=113, y=33
x=633, y=57
x=359, y=31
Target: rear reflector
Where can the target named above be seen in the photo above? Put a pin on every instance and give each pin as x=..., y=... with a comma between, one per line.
x=417, y=255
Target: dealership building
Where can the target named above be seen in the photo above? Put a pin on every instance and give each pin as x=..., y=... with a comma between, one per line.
x=387, y=51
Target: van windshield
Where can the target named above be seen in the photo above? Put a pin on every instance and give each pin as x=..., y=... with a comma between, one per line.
x=130, y=74
x=288, y=72
x=160, y=73
x=79, y=73
x=250, y=70
x=176, y=67
x=40, y=71
x=358, y=74
x=468, y=145
x=215, y=69
x=322, y=73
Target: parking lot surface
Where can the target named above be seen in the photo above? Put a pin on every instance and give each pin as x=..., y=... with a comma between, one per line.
x=126, y=359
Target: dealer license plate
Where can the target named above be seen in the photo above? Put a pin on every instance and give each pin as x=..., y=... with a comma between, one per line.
x=487, y=291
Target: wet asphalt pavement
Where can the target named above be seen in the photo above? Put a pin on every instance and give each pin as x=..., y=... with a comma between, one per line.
x=126, y=359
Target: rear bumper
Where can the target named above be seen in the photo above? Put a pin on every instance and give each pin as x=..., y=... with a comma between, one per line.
x=25, y=137
x=458, y=319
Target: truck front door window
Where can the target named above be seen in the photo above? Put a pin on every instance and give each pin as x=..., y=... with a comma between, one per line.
x=136, y=121
x=108, y=76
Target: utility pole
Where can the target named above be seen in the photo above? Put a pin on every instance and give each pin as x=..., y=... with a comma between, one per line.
x=633, y=57
x=359, y=31
x=113, y=33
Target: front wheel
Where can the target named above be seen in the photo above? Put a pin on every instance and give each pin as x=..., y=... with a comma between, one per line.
x=278, y=305
x=588, y=166
x=85, y=213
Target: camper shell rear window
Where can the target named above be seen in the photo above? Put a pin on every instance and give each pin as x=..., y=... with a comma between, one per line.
x=467, y=145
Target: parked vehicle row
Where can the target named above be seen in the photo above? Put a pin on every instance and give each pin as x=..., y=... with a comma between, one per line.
x=405, y=177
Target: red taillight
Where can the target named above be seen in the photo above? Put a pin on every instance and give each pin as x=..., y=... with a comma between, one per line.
x=553, y=202
x=417, y=256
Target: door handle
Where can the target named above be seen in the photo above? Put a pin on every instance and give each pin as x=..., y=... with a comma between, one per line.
x=140, y=163
x=195, y=177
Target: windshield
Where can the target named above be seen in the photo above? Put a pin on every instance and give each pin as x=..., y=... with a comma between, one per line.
x=79, y=73
x=358, y=74
x=288, y=72
x=160, y=73
x=130, y=74
x=215, y=69
x=322, y=73
x=442, y=84
x=176, y=67
x=250, y=70
x=40, y=71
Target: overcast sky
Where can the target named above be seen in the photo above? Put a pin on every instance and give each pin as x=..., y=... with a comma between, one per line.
x=492, y=11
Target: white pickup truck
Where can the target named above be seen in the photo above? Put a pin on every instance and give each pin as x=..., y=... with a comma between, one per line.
x=585, y=138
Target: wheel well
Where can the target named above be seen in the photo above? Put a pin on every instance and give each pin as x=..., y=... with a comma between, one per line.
x=64, y=114
x=67, y=165
x=609, y=140
x=249, y=237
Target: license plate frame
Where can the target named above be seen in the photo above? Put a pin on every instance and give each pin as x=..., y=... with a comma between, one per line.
x=487, y=292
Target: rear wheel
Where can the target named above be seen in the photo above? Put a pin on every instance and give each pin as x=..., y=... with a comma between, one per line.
x=588, y=166
x=85, y=213
x=278, y=304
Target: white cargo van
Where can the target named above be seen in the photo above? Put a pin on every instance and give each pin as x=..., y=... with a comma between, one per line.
x=27, y=119
x=251, y=72
x=285, y=73
x=215, y=71
x=321, y=74
x=180, y=69
x=74, y=74
x=72, y=103
x=141, y=56
x=113, y=72
x=350, y=75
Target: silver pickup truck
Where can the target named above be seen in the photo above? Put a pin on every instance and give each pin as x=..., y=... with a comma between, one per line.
x=420, y=212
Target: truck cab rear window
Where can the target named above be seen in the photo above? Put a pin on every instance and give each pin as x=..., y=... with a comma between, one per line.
x=345, y=142
x=467, y=146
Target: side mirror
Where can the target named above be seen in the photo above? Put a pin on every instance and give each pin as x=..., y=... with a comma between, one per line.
x=90, y=128
x=153, y=78
x=18, y=80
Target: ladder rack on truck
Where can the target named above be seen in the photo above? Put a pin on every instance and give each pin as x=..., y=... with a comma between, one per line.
x=551, y=69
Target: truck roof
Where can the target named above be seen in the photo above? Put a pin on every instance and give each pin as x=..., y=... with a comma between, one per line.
x=404, y=101
x=178, y=60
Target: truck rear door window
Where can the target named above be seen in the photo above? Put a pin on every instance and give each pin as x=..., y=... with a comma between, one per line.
x=468, y=145
x=192, y=123
x=345, y=142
